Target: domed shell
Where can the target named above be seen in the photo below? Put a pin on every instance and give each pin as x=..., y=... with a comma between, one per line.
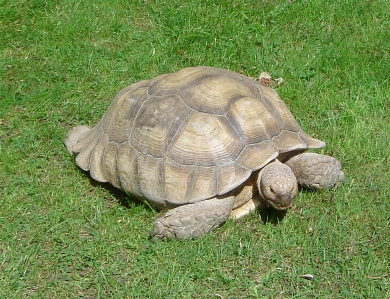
x=189, y=136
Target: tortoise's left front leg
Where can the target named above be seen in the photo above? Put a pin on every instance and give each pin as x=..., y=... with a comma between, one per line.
x=316, y=171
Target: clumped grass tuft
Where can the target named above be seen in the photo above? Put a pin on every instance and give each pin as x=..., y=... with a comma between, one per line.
x=64, y=236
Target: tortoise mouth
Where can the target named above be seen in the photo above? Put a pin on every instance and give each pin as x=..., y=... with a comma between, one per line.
x=281, y=204
x=281, y=201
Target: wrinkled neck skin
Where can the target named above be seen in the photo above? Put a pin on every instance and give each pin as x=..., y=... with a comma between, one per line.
x=277, y=185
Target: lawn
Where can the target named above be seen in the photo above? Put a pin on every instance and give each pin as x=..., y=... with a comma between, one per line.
x=62, y=235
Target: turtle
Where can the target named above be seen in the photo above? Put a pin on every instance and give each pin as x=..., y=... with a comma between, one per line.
x=202, y=144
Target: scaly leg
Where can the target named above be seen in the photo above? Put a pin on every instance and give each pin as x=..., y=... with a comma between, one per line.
x=316, y=171
x=193, y=220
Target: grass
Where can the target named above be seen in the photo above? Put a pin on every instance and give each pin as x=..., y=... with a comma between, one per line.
x=64, y=236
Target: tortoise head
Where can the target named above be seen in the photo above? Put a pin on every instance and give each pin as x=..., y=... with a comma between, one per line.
x=277, y=185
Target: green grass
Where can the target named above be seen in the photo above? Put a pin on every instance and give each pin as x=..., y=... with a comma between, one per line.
x=64, y=236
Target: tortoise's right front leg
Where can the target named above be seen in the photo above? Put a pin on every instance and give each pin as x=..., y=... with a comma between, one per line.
x=193, y=220
x=316, y=171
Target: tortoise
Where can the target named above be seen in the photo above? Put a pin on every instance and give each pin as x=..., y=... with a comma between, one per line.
x=203, y=143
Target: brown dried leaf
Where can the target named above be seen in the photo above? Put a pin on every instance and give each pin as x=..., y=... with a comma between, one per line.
x=267, y=80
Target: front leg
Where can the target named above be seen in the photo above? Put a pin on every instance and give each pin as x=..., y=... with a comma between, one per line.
x=316, y=171
x=193, y=220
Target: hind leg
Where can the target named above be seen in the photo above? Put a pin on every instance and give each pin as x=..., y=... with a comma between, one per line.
x=316, y=171
x=73, y=136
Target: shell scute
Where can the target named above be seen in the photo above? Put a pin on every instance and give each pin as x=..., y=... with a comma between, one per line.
x=205, y=140
x=178, y=181
x=151, y=179
x=96, y=160
x=257, y=155
x=156, y=124
x=253, y=120
x=172, y=83
x=127, y=168
x=230, y=176
x=288, y=141
x=204, y=184
x=215, y=94
x=110, y=164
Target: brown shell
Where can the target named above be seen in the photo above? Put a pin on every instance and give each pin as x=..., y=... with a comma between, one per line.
x=189, y=136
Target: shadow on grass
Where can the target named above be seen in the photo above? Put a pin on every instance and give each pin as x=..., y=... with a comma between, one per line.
x=123, y=198
x=271, y=215
x=330, y=192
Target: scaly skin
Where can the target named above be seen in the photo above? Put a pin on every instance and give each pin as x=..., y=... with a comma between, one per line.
x=316, y=171
x=73, y=136
x=193, y=220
